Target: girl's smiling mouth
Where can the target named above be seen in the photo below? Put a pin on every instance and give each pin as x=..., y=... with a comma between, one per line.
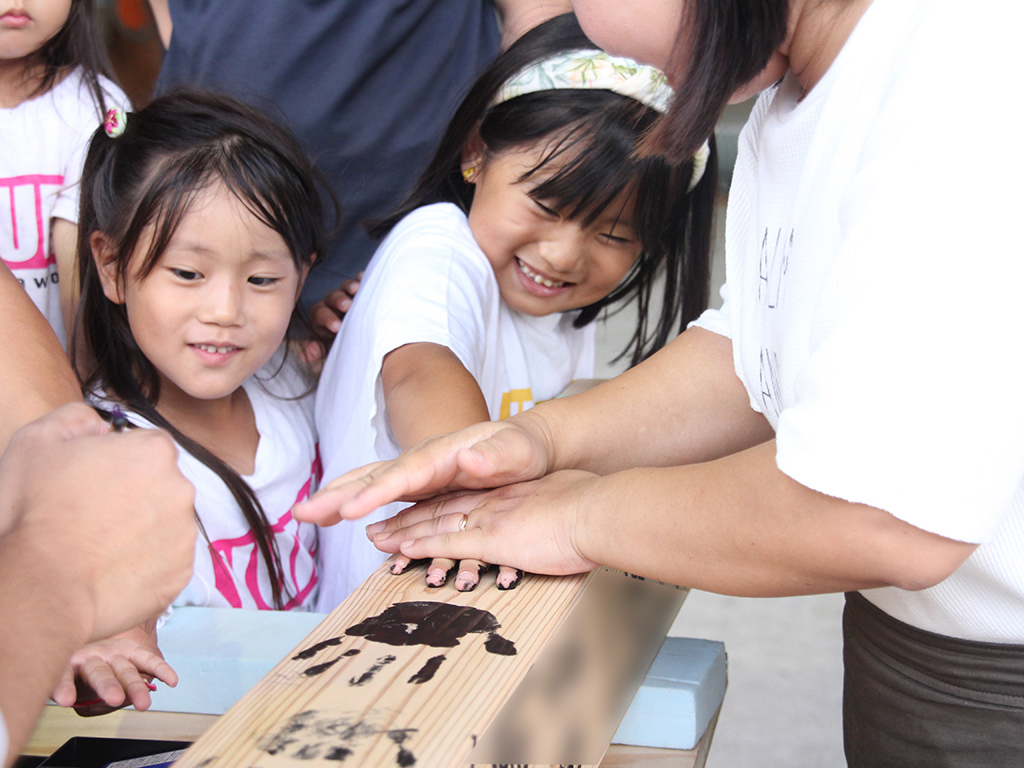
x=537, y=277
x=215, y=349
x=216, y=354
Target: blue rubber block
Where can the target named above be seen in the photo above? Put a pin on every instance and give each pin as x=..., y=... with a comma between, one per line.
x=681, y=693
x=220, y=653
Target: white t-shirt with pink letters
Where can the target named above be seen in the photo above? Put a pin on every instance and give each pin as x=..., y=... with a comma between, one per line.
x=229, y=570
x=44, y=145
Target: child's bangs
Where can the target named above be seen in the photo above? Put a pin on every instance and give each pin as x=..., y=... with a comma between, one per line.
x=167, y=196
x=270, y=192
x=275, y=195
x=595, y=164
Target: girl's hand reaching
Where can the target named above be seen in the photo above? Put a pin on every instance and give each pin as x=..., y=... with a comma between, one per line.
x=111, y=674
x=536, y=526
x=326, y=316
x=485, y=455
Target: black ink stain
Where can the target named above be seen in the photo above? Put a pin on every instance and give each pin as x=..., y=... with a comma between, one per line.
x=313, y=650
x=515, y=582
x=311, y=735
x=369, y=674
x=338, y=753
x=500, y=645
x=289, y=734
x=405, y=758
x=307, y=752
x=438, y=625
x=426, y=672
x=319, y=669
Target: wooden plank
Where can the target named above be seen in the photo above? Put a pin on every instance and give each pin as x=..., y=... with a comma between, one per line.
x=403, y=674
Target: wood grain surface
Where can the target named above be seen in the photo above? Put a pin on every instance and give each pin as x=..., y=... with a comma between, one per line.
x=401, y=674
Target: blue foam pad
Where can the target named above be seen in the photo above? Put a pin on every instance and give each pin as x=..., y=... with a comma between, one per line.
x=681, y=693
x=220, y=653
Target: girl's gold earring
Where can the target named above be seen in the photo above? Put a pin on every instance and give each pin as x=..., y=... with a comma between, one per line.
x=468, y=174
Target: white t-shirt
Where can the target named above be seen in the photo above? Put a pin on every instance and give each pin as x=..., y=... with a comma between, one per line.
x=873, y=296
x=229, y=570
x=428, y=282
x=44, y=145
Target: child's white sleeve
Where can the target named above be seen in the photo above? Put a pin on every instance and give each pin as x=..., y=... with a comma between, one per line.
x=439, y=291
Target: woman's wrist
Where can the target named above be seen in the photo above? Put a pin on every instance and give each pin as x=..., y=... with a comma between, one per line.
x=587, y=532
x=543, y=438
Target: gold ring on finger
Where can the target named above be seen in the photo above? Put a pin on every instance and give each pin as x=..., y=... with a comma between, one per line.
x=462, y=522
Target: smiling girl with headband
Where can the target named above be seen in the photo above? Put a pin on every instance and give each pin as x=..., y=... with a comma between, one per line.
x=534, y=216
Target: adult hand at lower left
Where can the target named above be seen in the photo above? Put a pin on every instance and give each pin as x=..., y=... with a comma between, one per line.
x=535, y=526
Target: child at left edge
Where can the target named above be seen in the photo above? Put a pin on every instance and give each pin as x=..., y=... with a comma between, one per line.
x=54, y=89
x=200, y=219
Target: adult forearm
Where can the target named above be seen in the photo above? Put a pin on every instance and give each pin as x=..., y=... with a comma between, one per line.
x=35, y=376
x=162, y=16
x=683, y=405
x=739, y=526
x=39, y=632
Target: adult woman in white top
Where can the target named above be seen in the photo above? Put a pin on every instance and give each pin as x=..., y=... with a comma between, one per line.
x=849, y=420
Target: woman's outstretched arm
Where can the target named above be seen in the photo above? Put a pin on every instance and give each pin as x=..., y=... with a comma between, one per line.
x=683, y=405
x=735, y=525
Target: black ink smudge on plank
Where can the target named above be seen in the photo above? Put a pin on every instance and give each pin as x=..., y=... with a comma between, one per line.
x=313, y=650
x=434, y=624
x=399, y=736
x=426, y=672
x=338, y=753
x=369, y=674
x=319, y=669
x=500, y=645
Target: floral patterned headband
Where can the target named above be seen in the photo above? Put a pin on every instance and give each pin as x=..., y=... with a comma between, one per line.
x=592, y=69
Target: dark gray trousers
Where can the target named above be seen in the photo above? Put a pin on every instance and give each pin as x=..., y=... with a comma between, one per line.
x=914, y=698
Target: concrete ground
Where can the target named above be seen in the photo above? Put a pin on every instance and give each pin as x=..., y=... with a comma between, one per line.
x=782, y=708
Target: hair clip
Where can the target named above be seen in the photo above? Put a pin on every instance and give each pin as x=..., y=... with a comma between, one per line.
x=114, y=122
